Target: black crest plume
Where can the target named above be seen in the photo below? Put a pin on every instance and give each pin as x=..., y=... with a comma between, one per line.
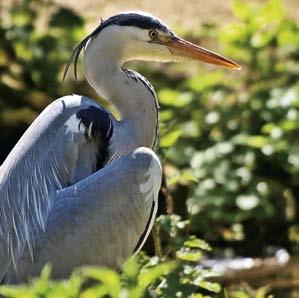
x=123, y=19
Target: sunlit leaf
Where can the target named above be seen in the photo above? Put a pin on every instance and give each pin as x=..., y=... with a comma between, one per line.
x=167, y=140
x=188, y=176
x=252, y=141
x=189, y=255
x=21, y=17
x=173, y=98
x=241, y=9
x=23, y=51
x=210, y=286
x=262, y=292
x=148, y=276
x=109, y=278
x=130, y=268
x=96, y=291
x=17, y=292
x=200, y=82
x=194, y=242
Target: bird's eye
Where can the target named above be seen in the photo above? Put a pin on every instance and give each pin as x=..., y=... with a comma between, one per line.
x=153, y=34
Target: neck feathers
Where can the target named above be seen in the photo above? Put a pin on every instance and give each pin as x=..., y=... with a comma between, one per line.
x=127, y=90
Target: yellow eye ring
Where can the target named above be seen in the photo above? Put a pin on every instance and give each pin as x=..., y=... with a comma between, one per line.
x=153, y=34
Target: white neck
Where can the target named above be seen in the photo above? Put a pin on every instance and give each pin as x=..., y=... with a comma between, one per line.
x=136, y=104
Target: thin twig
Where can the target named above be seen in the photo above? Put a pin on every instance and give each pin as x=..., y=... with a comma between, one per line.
x=157, y=240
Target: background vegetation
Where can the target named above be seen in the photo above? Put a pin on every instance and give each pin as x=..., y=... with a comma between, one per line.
x=228, y=142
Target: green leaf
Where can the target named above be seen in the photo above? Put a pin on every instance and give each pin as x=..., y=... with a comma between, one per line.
x=96, y=291
x=131, y=268
x=189, y=255
x=66, y=18
x=150, y=275
x=42, y=284
x=168, y=140
x=241, y=9
x=22, y=18
x=251, y=141
x=17, y=292
x=183, y=177
x=187, y=175
x=108, y=277
x=201, y=82
x=198, y=296
x=262, y=292
x=210, y=286
x=194, y=242
x=173, y=98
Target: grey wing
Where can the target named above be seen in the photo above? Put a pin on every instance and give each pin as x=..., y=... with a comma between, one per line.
x=64, y=144
x=99, y=220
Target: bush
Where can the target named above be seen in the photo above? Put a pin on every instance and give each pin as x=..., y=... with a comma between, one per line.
x=229, y=144
x=235, y=133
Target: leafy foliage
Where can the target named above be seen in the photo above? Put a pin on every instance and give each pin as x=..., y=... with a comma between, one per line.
x=34, y=48
x=235, y=133
x=229, y=145
x=141, y=277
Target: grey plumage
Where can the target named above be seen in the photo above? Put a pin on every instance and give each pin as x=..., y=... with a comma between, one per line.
x=74, y=190
x=79, y=187
x=99, y=212
x=50, y=174
x=43, y=161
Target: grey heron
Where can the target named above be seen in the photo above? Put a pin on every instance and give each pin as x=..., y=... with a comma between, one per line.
x=81, y=187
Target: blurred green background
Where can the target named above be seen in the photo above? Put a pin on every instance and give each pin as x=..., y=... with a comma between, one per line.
x=229, y=140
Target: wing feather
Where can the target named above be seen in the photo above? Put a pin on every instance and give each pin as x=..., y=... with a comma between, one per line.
x=96, y=221
x=45, y=160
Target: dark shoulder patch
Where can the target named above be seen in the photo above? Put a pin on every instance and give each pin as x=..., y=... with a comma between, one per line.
x=98, y=120
x=98, y=127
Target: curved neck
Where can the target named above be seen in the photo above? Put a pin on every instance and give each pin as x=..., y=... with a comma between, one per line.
x=128, y=91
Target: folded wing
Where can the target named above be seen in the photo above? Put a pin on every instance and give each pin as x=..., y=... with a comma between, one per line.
x=66, y=143
x=98, y=220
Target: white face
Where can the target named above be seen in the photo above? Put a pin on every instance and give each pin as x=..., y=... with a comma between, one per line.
x=125, y=43
x=141, y=45
x=132, y=43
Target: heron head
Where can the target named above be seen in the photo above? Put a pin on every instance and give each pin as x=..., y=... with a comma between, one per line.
x=141, y=36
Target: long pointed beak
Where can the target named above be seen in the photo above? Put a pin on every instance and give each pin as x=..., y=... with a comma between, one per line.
x=182, y=48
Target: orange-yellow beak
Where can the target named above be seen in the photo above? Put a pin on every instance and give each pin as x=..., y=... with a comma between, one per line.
x=182, y=48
